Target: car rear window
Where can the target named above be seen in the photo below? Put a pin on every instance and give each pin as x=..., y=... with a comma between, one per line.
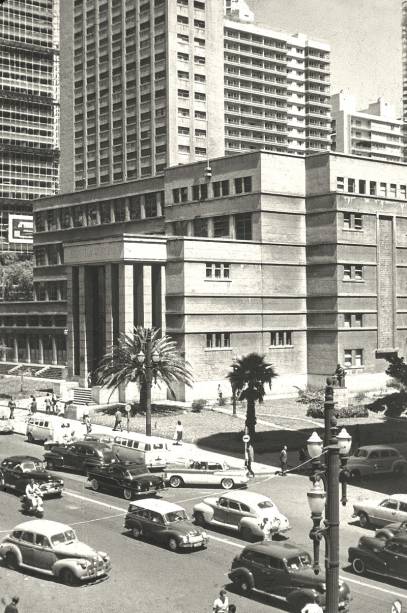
x=265, y=504
x=64, y=537
x=300, y=561
x=360, y=453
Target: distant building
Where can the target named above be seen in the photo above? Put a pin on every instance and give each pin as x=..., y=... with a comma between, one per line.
x=374, y=132
x=29, y=129
x=404, y=71
x=147, y=85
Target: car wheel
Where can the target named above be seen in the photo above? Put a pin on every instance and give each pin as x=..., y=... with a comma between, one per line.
x=30, y=438
x=364, y=520
x=243, y=585
x=94, y=484
x=176, y=481
x=299, y=605
x=136, y=532
x=359, y=566
x=227, y=484
x=128, y=494
x=199, y=518
x=11, y=560
x=172, y=544
x=67, y=576
x=51, y=465
x=355, y=475
x=384, y=535
x=399, y=470
x=246, y=534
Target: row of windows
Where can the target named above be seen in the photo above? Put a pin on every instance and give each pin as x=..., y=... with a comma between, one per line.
x=217, y=270
x=44, y=321
x=225, y=226
x=187, y=149
x=198, y=23
x=372, y=188
x=219, y=188
x=184, y=93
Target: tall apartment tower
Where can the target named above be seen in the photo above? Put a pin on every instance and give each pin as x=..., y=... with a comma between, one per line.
x=404, y=60
x=29, y=131
x=374, y=132
x=147, y=87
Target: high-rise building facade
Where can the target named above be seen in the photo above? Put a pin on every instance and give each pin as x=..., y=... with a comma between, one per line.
x=29, y=129
x=374, y=132
x=404, y=61
x=164, y=82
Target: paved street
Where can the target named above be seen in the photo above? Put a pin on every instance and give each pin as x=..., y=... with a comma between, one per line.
x=150, y=578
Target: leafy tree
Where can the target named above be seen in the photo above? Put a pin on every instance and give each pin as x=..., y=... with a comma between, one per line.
x=397, y=369
x=121, y=365
x=248, y=377
x=16, y=277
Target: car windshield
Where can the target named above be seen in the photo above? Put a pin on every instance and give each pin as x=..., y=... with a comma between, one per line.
x=360, y=453
x=66, y=537
x=265, y=504
x=301, y=561
x=175, y=516
x=30, y=466
x=134, y=471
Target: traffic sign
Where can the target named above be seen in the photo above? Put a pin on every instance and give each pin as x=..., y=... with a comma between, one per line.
x=245, y=438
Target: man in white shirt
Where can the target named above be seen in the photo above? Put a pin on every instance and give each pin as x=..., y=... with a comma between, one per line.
x=221, y=604
x=32, y=491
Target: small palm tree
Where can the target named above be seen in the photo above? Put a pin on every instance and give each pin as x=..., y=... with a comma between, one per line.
x=145, y=357
x=248, y=377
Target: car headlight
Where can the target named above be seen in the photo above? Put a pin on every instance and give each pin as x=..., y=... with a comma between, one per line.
x=204, y=535
x=185, y=539
x=83, y=563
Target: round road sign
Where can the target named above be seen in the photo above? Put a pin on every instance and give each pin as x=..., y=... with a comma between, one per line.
x=245, y=438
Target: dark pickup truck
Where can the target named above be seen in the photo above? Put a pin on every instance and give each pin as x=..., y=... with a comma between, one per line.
x=129, y=478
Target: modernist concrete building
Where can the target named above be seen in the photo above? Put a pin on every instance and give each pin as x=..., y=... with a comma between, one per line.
x=302, y=259
x=374, y=132
x=29, y=129
x=147, y=85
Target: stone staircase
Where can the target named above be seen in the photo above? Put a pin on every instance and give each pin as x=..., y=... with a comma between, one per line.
x=83, y=395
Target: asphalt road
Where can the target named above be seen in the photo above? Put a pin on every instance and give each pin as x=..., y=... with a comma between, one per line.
x=149, y=578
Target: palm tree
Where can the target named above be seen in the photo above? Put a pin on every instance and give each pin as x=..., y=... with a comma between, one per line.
x=145, y=357
x=248, y=377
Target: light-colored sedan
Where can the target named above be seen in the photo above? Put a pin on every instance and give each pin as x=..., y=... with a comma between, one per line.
x=53, y=548
x=205, y=472
x=391, y=509
x=253, y=515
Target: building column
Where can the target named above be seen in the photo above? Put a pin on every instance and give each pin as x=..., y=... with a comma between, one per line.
x=3, y=353
x=28, y=349
x=54, y=350
x=15, y=349
x=83, y=353
x=126, y=298
x=147, y=296
x=108, y=307
x=40, y=350
x=70, y=337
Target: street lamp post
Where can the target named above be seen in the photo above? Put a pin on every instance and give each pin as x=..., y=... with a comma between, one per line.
x=148, y=359
x=336, y=447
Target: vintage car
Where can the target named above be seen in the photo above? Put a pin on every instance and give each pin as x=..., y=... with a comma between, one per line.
x=165, y=523
x=129, y=478
x=374, y=460
x=387, y=558
x=397, y=529
x=391, y=509
x=16, y=471
x=253, y=515
x=205, y=472
x=52, y=548
x=80, y=456
x=284, y=570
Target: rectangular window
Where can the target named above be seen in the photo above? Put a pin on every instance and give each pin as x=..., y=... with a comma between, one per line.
x=352, y=221
x=347, y=320
x=182, y=74
x=247, y=184
x=340, y=183
x=347, y=219
x=225, y=188
x=352, y=320
x=362, y=186
x=238, y=186
x=373, y=188
x=347, y=272
x=403, y=192
x=281, y=339
x=183, y=112
x=243, y=227
x=200, y=192
x=383, y=190
x=353, y=358
x=221, y=226
x=357, y=221
x=358, y=273
x=393, y=190
x=351, y=185
x=180, y=194
x=216, y=189
x=218, y=340
x=358, y=320
x=200, y=227
x=217, y=270
x=347, y=354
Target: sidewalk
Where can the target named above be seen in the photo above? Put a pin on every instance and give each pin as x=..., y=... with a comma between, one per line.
x=189, y=450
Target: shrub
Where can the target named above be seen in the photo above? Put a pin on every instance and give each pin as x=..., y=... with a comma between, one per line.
x=392, y=404
x=360, y=396
x=356, y=410
x=198, y=405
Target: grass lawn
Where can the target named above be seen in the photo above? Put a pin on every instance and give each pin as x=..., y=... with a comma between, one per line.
x=11, y=386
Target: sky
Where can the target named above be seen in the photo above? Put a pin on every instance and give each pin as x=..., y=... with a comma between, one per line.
x=364, y=35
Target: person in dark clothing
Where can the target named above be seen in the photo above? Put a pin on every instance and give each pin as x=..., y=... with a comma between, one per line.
x=118, y=420
x=249, y=460
x=11, y=406
x=12, y=606
x=33, y=405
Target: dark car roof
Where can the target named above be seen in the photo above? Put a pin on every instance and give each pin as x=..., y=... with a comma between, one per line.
x=17, y=459
x=275, y=549
x=93, y=444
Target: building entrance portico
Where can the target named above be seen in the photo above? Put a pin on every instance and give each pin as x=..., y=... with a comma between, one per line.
x=112, y=286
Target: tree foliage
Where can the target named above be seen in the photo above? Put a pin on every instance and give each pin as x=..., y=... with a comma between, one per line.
x=16, y=277
x=248, y=377
x=397, y=369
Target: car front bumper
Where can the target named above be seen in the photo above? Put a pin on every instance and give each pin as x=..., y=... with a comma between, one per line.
x=95, y=571
x=194, y=543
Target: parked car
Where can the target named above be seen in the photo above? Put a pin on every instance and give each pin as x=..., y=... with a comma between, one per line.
x=204, y=472
x=80, y=456
x=131, y=479
x=252, y=515
x=372, y=513
x=165, y=523
x=16, y=471
x=387, y=558
x=52, y=548
x=376, y=459
x=284, y=570
x=390, y=530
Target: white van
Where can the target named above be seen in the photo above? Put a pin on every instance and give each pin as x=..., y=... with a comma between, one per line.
x=151, y=450
x=43, y=427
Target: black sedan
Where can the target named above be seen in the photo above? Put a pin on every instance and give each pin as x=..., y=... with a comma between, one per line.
x=80, y=456
x=130, y=479
x=16, y=472
x=387, y=558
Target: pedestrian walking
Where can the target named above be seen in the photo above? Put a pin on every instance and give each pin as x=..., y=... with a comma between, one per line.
x=12, y=606
x=48, y=404
x=221, y=604
x=128, y=411
x=33, y=405
x=179, y=431
x=88, y=423
x=220, y=395
x=249, y=460
x=54, y=402
x=12, y=407
x=283, y=461
x=118, y=420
